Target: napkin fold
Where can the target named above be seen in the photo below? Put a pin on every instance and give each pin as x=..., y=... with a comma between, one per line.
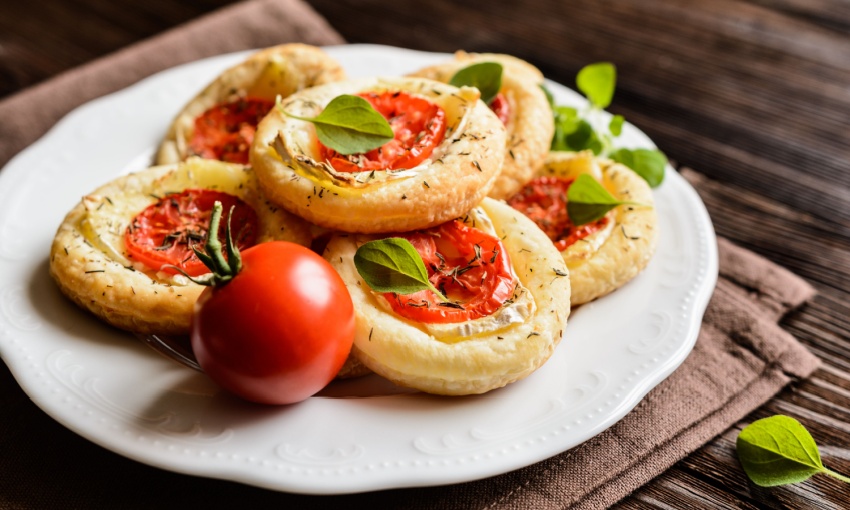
x=742, y=356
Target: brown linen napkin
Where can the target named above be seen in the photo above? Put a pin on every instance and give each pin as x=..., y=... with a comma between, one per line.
x=741, y=359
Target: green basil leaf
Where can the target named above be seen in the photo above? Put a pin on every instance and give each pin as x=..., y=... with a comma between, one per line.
x=648, y=163
x=485, y=76
x=393, y=265
x=597, y=82
x=616, y=125
x=778, y=450
x=587, y=200
x=349, y=125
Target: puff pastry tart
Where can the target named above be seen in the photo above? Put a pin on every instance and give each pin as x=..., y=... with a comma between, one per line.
x=219, y=122
x=524, y=109
x=111, y=253
x=444, y=158
x=508, y=293
x=601, y=255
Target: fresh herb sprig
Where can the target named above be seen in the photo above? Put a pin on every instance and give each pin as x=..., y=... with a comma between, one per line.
x=648, y=163
x=393, y=265
x=588, y=201
x=349, y=125
x=485, y=76
x=575, y=131
x=779, y=450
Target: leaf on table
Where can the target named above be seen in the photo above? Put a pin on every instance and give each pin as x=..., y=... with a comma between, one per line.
x=779, y=450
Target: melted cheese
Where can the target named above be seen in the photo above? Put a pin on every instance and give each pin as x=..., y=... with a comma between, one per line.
x=585, y=248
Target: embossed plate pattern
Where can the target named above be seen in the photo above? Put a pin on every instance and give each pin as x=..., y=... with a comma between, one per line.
x=357, y=436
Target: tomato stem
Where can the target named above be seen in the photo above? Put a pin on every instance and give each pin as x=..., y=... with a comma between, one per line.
x=222, y=271
x=213, y=246
x=232, y=251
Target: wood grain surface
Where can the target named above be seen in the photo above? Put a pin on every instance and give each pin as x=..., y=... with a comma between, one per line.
x=755, y=95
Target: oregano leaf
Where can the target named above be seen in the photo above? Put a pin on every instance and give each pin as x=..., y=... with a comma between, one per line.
x=349, y=125
x=587, y=200
x=566, y=122
x=597, y=82
x=778, y=450
x=485, y=76
x=648, y=163
x=616, y=125
x=393, y=265
x=584, y=137
x=572, y=133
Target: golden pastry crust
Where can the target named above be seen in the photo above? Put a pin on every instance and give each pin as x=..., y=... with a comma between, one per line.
x=90, y=265
x=279, y=70
x=605, y=261
x=410, y=355
x=456, y=176
x=530, y=126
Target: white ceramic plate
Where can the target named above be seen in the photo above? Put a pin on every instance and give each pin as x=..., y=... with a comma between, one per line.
x=356, y=436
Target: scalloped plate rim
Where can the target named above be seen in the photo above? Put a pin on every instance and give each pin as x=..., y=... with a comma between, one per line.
x=381, y=477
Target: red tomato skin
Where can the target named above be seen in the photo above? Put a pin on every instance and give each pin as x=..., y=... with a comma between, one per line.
x=226, y=130
x=501, y=107
x=280, y=330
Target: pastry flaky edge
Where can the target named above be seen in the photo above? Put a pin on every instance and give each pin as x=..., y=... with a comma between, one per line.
x=530, y=127
x=403, y=352
x=457, y=175
x=628, y=245
x=96, y=273
x=279, y=70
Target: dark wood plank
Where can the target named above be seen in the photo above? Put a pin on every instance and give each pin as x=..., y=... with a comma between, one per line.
x=708, y=116
x=41, y=38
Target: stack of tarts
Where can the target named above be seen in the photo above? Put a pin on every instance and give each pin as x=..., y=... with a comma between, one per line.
x=469, y=185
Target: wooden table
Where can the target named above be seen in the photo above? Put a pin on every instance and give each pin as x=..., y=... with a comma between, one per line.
x=753, y=94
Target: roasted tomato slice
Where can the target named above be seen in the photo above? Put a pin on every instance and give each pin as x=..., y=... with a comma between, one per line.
x=164, y=233
x=225, y=131
x=500, y=106
x=419, y=126
x=544, y=200
x=467, y=265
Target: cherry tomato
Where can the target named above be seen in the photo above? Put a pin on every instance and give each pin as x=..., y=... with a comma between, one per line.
x=544, y=200
x=164, y=233
x=419, y=126
x=280, y=330
x=225, y=131
x=469, y=266
x=501, y=108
